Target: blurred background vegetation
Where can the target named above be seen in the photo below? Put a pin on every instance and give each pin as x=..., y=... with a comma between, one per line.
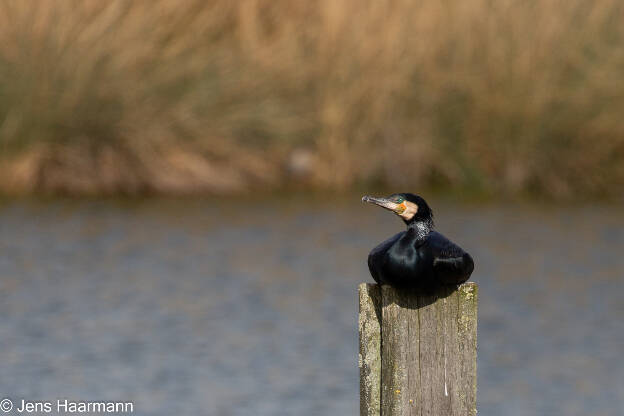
x=159, y=96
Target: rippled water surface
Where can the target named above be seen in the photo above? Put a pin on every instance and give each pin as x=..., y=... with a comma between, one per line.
x=250, y=308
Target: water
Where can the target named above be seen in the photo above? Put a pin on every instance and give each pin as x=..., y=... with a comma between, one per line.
x=249, y=308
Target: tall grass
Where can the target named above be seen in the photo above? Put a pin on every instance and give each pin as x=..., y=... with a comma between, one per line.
x=222, y=96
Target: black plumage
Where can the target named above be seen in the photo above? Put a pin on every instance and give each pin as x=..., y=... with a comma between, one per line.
x=418, y=258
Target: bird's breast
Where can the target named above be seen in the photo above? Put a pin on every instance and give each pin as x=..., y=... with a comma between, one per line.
x=406, y=262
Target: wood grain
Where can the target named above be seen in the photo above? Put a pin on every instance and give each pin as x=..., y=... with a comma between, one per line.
x=427, y=348
x=370, y=349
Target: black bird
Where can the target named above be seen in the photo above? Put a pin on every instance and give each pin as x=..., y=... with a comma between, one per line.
x=418, y=258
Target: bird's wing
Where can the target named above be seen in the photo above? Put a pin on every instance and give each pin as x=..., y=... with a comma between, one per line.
x=376, y=256
x=451, y=264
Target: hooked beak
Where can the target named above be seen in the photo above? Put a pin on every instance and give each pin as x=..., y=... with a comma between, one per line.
x=382, y=202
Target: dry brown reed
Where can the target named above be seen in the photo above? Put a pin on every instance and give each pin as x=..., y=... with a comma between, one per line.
x=164, y=96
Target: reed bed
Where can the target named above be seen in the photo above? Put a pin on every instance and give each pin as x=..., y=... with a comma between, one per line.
x=175, y=97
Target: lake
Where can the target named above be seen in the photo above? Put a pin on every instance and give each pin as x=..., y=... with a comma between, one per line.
x=249, y=307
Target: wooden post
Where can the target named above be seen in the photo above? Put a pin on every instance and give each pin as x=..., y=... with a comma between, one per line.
x=418, y=354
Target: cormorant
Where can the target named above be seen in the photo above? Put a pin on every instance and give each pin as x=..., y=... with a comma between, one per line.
x=418, y=258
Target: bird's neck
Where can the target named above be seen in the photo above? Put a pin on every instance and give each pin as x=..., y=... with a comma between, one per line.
x=421, y=229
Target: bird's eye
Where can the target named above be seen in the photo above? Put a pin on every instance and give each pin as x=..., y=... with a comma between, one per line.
x=400, y=200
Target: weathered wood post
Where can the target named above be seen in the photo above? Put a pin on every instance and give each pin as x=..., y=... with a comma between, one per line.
x=418, y=354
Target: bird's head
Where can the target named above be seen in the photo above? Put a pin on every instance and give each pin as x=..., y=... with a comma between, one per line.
x=411, y=208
